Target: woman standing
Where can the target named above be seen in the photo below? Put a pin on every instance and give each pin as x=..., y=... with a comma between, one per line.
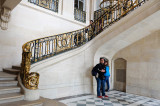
x=107, y=75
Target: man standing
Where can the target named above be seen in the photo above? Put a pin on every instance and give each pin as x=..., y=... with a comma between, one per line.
x=101, y=70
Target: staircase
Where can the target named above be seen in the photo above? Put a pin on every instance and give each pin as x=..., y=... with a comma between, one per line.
x=43, y=48
x=10, y=92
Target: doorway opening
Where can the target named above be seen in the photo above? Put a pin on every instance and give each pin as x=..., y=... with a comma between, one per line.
x=120, y=66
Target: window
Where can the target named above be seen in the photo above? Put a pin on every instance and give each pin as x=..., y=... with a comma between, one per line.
x=79, y=10
x=48, y=4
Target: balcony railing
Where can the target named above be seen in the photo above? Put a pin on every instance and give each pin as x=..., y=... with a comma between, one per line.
x=43, y=48
x=79, y=15
x=47, y=4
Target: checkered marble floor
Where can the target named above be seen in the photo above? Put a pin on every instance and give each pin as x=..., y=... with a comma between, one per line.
x=116, y=98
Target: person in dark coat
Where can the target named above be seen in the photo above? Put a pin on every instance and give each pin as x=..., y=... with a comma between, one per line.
x=101, y=70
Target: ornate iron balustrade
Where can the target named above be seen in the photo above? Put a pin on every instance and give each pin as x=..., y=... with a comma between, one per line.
x=126, y=4
x=79, y=15
x=48, y=4
x=98, y=13
x=43, y=48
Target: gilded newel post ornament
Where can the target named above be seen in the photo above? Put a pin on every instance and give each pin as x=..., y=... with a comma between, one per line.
x=4, y=18
x=30, y=80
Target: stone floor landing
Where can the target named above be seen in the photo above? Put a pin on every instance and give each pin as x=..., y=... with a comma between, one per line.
x=116, y=98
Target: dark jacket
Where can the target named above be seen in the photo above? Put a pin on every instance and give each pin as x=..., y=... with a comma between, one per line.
x=98, y=68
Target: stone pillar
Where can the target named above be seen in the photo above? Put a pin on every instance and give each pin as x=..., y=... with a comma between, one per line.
x=60, y=7
x=88, y=11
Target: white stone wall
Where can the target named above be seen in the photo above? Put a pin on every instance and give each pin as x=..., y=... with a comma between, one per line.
x=143, y=67
x=66, y=74
x=66, y=78
x=96, y=4
x=29, y=22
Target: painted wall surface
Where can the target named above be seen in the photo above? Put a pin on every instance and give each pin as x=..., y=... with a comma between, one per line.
x=29, y=22
x=143, y=69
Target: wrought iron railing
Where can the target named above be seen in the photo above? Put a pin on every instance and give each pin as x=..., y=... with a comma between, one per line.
x=98, y=13
x=43, y=48
x=48, y=4
x=79, y=15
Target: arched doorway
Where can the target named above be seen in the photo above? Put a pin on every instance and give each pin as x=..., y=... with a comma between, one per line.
x=120, y=65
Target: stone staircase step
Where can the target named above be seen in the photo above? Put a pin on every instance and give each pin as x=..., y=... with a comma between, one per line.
x=8, y=83
x=16, y=67
x=10, y=89
x=6, y=76
x=24, y=103
x=11, y=97
x=11, y=71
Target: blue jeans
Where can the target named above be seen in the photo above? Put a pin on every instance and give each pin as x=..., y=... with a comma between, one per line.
x=107, y=80
x=99, y=82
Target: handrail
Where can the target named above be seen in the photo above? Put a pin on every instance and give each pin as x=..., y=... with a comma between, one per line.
x=43, y=48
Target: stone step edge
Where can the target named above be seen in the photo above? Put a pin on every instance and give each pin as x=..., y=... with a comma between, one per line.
x=6, y=89
x=8, y=81
x=31, y=104
x=11, y=97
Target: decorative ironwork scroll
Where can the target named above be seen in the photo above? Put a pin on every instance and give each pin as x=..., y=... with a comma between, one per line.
x=30, y=80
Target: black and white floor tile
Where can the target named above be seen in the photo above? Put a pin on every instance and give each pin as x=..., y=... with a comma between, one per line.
x=116, y=98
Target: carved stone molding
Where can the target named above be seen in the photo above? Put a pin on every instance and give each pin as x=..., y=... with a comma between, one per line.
x=4, y=17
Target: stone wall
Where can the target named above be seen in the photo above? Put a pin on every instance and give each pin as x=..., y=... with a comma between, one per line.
x=66, y=74
x=143, y=69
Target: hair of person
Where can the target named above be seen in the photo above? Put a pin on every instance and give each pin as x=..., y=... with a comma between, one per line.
x=107, y=62
x=105, y=59
x=102, y=58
